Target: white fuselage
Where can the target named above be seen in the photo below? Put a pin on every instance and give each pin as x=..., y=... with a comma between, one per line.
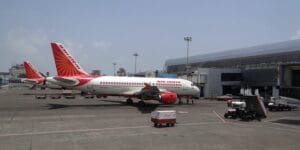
x=130, y=86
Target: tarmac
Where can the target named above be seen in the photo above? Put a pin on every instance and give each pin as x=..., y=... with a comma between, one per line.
x=109, y=123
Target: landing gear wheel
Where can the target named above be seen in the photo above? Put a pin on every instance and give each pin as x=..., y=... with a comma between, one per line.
x=142, y=103
x=234, y=116
x=226, y=115
x=129, y=101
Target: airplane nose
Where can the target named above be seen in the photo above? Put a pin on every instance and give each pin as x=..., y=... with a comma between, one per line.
x=197, y=90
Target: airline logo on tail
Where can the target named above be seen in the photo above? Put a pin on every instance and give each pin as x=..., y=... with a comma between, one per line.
x=32, y=74
x=65, y=63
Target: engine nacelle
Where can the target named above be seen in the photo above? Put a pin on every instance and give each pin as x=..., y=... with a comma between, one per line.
x=168, y=97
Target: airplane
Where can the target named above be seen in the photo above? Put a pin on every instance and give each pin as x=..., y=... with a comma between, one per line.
x=35, y=78
x=72, y=76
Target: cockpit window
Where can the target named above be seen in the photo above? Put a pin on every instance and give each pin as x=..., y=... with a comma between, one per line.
x=192, y=84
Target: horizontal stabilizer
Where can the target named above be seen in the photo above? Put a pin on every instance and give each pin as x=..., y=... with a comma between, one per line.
x=66, y=81
x=30, y=81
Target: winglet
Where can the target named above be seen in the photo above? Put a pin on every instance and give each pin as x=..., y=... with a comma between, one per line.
x=65, y=63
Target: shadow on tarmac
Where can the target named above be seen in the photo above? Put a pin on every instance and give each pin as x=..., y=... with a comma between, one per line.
x=288, y=121
x=143, y=109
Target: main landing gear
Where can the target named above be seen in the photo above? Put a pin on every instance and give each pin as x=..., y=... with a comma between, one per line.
x=129, y=101
x=187, y=100
x=141, y=103
x=180, y=101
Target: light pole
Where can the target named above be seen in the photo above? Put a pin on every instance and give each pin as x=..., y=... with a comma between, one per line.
x=188, y=39
x=114, y=68
x=135, y=57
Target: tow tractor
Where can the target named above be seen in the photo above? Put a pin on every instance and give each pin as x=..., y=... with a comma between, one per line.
x=249, y=108
x=235, y=109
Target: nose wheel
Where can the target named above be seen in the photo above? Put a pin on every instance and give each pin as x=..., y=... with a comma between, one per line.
x=142, y=103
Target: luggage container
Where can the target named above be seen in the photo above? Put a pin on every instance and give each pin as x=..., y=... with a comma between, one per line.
x=68, y=94
x=163, y=117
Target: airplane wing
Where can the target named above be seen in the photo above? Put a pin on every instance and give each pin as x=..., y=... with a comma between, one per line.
x=154, y=93
x=149, y=92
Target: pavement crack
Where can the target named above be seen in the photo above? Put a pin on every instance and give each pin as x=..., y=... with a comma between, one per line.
x=31, y=136
x=30, y=147
x=13, y=116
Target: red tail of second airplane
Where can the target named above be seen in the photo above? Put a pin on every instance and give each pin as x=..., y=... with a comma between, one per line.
x=31, y=73
x=65, y=63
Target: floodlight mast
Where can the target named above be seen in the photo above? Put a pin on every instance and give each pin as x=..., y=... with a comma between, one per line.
x=114, y=68
x=135, y=59
x=188, y=39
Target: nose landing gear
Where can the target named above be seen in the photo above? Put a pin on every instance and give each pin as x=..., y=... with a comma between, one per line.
x=129, y=101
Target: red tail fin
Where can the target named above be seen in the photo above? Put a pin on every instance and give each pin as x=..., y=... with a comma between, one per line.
x=65, y=63
x=31, y=73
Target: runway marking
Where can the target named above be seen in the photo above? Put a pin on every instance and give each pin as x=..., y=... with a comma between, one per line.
x=219, y=116
x=96, y=130
x=141, y=134
x=13, y=116
x=54, y=117
x=197, y=123
x=183, y=112
x=136, y=127
x=70, y=131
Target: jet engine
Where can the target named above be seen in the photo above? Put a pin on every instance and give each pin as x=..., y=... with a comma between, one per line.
x=168, y=97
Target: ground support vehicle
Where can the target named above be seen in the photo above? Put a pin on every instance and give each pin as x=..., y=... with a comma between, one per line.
x=249, y=108
x=164, y=117
x=279, y=104
x=235, y=109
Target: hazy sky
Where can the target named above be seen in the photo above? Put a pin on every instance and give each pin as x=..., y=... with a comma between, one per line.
x=98, y=32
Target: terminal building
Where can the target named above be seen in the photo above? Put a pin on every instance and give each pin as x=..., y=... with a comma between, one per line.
x=272, y=68
x=4, y=78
